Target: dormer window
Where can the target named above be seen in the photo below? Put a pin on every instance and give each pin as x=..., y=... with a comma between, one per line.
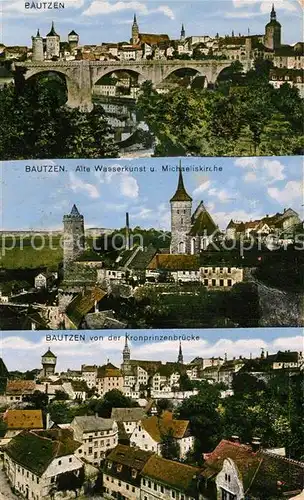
x=134, y=473
x=109, y=465
x=119, y=468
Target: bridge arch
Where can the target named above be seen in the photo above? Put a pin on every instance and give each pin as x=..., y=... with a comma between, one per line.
x=99, y=74
x=77, y=97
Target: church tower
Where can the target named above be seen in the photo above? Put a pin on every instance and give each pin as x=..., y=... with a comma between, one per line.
x=126, y=356
x=48, y=361
x=73, y=236
x=183, y=34
x=135, y=32
x=37, y=47
x=180, y=358
x=181, y=209
x=272, y=39
x=52, y=43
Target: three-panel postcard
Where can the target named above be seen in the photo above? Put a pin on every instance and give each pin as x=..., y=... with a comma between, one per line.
x=151, y=250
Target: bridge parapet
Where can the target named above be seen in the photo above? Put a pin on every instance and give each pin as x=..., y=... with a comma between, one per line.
x=81, y=76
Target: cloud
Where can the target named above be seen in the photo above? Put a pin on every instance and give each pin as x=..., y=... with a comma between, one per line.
x=293, y=190
x=77, y=185
x=266, y=5
x=201, y=188
x=124, y=182
x=262, y=170
x=222, y=195
x=223, y=218
x=71, y=355
x=98, y=7
x=129, y=186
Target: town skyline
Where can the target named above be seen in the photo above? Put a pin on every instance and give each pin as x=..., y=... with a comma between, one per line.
x=212, y=343
x=245, y=189
x=114, y=19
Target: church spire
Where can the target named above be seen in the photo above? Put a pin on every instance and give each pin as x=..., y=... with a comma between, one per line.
x=126, y=353
x=181, y=193
x=273, y=14
x=183, y=33
x=180, y=358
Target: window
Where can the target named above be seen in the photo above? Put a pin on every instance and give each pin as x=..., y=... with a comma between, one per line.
x=155, y=486
x=119, y=468
x=206, y=282
x=90, y=451
x=127, y=486
x=144, y=482
x=229, y=270
x=162, y=489
x=149, y=484
x=134, y=473
x=173, y=494
x=70, y=459
x=133, y=488
x=221, y=282
x=213, y=282
x=229, y=282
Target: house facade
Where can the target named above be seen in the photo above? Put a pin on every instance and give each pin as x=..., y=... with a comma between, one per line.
x=33, y=462
x=97, y=435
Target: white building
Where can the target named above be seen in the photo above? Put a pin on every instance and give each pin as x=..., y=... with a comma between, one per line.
x=33, y=462
x=148, y=434
x=129, y=417
x=96, y=434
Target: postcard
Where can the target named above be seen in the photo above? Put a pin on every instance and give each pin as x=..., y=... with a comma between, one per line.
x=92, y=78
x=152, y=243
x=156, y=414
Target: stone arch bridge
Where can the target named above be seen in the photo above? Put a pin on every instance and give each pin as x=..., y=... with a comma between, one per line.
x=81, y=76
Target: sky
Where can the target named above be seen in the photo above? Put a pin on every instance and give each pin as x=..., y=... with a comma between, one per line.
x=99, y=21
x=23, y=350
x=246, y=189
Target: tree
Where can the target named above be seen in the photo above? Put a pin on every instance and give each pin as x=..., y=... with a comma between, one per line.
x=61, y=395
x=60, y=412
x=185, y=383
x=112, y=399
x=205, y=421
x=163, y=405
x=244, y=383
x=169, y=446
x=244, y=144
x=38, y=400
x=35, y=123
x=276, y=137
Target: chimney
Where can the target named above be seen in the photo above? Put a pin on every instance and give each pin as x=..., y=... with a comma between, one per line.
x=256, y=444
x=127, y=232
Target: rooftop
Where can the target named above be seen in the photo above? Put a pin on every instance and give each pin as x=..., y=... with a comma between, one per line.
x=181, y=193
x=171, y=473
x=127, y=414
x=92, y=423
x=157, y=427
x=35, y=450
x=23, y=419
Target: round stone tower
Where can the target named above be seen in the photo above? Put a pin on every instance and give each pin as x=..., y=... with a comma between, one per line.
x=37, y=47
x=48, y=361
x=272, y=39
x=52, y=43
x=135, y=31
x=181, y=209
x=73, y=236
x=73, y=39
